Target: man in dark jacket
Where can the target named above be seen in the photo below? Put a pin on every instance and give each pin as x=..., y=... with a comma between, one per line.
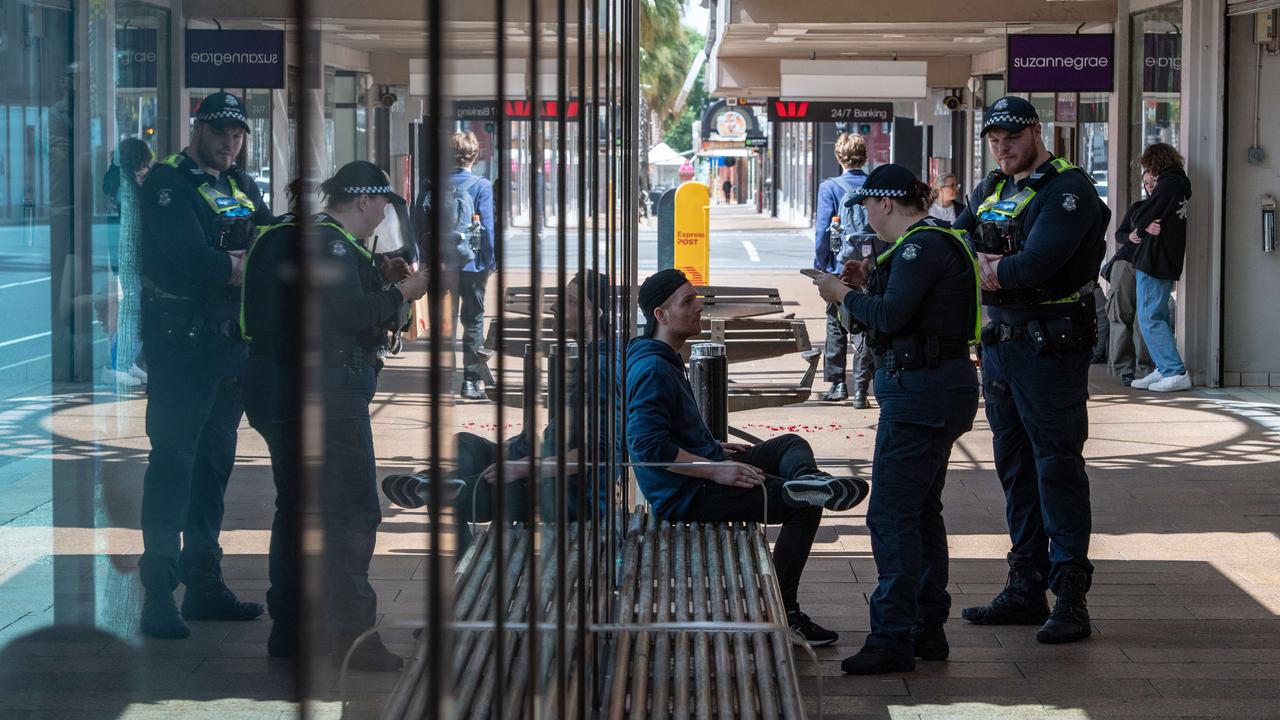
x=687, y=474
x=1127, y=350
x=1162, y=244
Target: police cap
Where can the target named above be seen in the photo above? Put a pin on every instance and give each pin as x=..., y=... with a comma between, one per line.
x=222, y=109
x=1010, y=113
x=888, y=180
x=361, y=177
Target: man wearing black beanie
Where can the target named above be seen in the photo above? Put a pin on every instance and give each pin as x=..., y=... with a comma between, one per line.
x=706, y=480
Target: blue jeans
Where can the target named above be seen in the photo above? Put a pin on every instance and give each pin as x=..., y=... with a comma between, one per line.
x=1153, y=319
x=1037, y=409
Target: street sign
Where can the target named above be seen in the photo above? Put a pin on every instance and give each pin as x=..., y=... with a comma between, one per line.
x=826, y=111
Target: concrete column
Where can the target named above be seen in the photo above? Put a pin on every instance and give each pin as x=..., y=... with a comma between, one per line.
x=1202, y=136
x=1118, y=110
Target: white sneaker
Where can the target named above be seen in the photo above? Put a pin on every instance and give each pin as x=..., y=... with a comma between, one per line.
x=120, y=378
x=1173, y=383
x=1146, y=381
x=139, y=373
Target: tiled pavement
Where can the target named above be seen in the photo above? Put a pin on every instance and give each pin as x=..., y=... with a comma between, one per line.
x=1186, y=496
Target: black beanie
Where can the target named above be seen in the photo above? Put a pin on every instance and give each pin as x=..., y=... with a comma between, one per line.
x=654, y=291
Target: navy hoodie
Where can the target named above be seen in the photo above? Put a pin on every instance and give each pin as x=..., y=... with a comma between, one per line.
x=662, y=419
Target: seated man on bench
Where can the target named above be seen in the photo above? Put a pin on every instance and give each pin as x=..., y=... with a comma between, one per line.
x=688, y=475
x=471, y=487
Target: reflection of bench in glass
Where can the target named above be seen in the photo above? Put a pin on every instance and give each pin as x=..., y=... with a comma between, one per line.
x=717, y=301
x=745, y=340
x=698, y=627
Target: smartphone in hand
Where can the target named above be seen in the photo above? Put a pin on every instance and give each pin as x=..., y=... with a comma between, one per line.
x=812, y=272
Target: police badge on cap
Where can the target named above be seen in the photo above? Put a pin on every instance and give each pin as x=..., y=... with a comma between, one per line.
x=1010, y=113
x=222, y=110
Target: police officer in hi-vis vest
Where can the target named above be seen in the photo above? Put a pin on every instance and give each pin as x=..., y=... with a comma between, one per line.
x=1039, y=228
x=199, y=214
x=919, y=308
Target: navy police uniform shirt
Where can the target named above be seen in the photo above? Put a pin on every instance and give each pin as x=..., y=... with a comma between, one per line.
x=177, y=250
x=925, y=287
x=357, y=310
x=1061, y=228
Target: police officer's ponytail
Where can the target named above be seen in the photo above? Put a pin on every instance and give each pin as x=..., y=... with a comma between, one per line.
x=918, y=198
x=334, y=194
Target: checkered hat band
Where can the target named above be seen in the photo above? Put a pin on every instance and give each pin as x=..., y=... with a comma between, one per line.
x=877, y=192
x=221, y=115
x=1007, y=118
x=369, y=190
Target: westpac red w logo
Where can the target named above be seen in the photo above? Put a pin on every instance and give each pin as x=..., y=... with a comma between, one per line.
x=519, y=108
x=790, y=109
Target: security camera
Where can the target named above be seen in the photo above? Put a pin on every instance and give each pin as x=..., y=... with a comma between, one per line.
x=952, y=102
x=388, y=99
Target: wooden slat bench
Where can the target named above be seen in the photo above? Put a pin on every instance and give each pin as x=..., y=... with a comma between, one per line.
x=744, y=341
x=737, y=663
x=717, y=301
x=713, y=573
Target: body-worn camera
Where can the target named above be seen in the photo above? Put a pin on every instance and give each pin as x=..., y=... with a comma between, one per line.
x=997, y=230
x=233, y=233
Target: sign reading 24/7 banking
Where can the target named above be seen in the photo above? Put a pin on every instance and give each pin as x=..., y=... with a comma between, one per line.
x=825, y=111
x=1061, y=63
x=235, y=58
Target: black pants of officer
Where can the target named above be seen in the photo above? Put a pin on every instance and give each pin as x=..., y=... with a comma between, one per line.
x=471, y=291
x=193, y=412
x=349, y=500
x=783, y=458
x=273, y=411
x=835, y=354
x=922, y=413
x=1036, y=406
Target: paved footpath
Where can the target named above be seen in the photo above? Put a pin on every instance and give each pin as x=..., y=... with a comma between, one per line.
x=1186, y=496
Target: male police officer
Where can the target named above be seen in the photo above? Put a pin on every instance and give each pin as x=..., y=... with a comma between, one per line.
x=199, y=213
x=1039, y=227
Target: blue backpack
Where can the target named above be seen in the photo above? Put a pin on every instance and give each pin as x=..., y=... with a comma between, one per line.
x=458, y=210
x=853, y=220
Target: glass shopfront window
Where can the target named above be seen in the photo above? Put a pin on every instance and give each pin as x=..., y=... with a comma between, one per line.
x=1156, y=81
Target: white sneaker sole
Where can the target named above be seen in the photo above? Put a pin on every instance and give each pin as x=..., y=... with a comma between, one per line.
x=836, y=494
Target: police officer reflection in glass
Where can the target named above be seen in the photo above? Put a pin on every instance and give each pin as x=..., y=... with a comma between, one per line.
x=362, y=299
x=199, y=214
x=1039, y=228
x=917, y=301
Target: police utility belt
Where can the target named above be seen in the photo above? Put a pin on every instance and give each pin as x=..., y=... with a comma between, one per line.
x=1049, y=335
x=355, y=358
x=916, y=352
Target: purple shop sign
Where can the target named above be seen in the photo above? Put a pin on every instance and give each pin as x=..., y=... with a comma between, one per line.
x=235, y=58
x=1161, y=62
x=1061, y=63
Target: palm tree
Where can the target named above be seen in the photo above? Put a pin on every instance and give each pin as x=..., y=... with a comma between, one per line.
x=664, y=54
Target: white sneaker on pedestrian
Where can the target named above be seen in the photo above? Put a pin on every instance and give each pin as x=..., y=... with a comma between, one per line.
x=119, y=378
x=139, y=373
x=1146, y=381
x=1173, y=383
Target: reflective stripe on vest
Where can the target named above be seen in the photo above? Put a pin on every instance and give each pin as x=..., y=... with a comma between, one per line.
x=962, y=240
x=235, y=205
x=244, y=271
x=1011, y=208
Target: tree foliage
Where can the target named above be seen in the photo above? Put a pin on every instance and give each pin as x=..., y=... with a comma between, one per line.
x=664, y=54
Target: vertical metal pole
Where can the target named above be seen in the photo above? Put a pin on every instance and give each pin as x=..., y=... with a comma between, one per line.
x=587, y=395
x=532, y=392
x=499, y=525
x=561, y=513
x=438, y=577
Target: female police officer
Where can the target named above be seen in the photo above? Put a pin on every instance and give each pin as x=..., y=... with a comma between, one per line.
x=358, y=308
x=920, y=310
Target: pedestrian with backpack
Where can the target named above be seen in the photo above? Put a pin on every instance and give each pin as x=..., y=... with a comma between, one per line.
x=467, y=248
x=840, y=234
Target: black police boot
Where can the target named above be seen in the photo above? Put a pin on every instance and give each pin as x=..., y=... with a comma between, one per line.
x=283, y=641
x=370, y=656
x=1069, y=620
x=860, y=397
x=1021, y=602
x=160, y=618
x=209, y=598
x=875, y=661
x=838, y=392
x=930, y=642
